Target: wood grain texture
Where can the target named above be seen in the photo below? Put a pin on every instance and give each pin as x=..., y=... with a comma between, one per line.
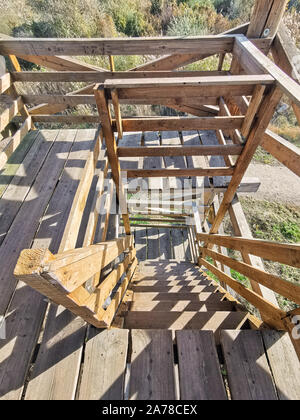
x=284, y=363
x=199, y=370
x=152, y=366
x=249, y=375
x=104, y=366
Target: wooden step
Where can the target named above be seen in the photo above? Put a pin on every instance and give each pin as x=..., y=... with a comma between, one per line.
x=190, y=277
x=192, y=297
x=181, y=305
x=173, y=289
x=211, y=321
x=172, y=283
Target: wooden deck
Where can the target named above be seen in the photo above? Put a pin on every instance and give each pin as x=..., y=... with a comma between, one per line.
x=187, y=365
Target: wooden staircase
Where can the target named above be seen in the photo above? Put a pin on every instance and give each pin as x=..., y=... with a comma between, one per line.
x=178, y=295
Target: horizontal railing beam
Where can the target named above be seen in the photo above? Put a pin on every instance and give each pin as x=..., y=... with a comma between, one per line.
x=284, y=253
x=116, y=46
x=179, y=123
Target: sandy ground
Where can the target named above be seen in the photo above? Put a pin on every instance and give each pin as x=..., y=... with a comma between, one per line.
x=278, y=183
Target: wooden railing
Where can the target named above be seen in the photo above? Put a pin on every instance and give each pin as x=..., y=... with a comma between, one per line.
x=288, y=254
x=65, y=278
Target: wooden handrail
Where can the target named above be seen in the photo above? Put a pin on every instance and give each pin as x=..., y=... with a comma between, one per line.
x=285, y=288
x=62, y=277
x=284, y=253
x=271, y=312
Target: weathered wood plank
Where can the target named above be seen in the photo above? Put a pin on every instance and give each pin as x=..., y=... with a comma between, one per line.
x=12, y=165
x=197, y=82
x=278, y=285
x=79, y=202
x=115, y=46
x=57, y=367
x=265, y=114
x=172, y=62
x=12, y=199
x=284, y=253
x=152, y=243
x=249, y=375
x=199, y=370
x=152, y=366
x=284, y=364
x=164, y=244
x=9, y=113
x=171, y=138
x=151, y=139
x=141, y=243
x=10, y=144
x=104, y=365
x=25, y=313
x=270, y=311
x=249, y=54
x=5, y=82
x=100, y=77
x=142, y=173
x=211, y=321
x=199, y=150
x=110, y=141
x=283, y=150
x=177, y=244
x=60, y=322
x=181, y=123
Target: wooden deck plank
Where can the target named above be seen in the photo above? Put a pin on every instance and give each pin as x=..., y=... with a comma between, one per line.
x=199, y=370
x=14, y=162
x=191, y=138
x=26, y=310
x=152, y=366
x=209, y=138
x=165, y=252
x=214, y=321
x=284, y=364
x=140, y=235
x=62, y=324
x=248, y=372
x=20, y=185
x=104, y=365
x=154, y=162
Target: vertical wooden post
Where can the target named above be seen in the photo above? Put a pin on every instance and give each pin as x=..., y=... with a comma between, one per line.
x=111, y=62
x=105, y=118
x=116, y=105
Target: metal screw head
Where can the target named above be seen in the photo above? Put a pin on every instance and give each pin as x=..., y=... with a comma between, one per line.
x=266, y=33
